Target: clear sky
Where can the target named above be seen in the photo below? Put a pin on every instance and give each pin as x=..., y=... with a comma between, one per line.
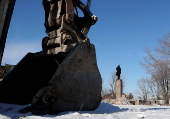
x=124, y=28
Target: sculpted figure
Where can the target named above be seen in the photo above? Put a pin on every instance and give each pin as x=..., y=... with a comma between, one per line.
x=118, y=71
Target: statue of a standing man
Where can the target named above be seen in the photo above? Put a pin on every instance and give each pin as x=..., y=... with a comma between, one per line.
x=118, y=71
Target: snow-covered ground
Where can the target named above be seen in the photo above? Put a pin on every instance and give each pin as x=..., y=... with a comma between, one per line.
x=104, y=111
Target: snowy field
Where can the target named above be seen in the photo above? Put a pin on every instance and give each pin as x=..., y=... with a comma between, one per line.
x=104, y=111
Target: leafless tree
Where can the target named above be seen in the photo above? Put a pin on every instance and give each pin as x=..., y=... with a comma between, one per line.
x=153, y=88
x=161, y=77
x=164, y=46
x=112, y=83
x=143, y=88
x=148, y=88
x=157, y=64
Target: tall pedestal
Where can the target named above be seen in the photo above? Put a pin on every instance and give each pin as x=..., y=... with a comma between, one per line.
x=119, y=89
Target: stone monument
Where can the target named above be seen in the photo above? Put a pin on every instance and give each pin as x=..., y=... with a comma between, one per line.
x=118, y=83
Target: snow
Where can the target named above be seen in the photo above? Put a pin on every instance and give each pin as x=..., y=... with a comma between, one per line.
x=104, y=111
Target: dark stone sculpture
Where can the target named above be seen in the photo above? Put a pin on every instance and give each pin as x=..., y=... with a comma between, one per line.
x=118, y=71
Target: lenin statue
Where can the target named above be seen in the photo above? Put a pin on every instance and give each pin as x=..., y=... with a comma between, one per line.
x=118, y=71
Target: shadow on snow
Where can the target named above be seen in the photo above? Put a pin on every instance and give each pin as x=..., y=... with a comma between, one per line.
x=12, y=110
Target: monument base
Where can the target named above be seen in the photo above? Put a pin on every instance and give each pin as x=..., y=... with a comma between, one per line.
x=119, y=88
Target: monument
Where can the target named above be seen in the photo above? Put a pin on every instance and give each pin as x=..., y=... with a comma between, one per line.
x=119, y=86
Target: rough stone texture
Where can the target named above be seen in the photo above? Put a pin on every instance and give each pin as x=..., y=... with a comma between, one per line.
x=118, y=88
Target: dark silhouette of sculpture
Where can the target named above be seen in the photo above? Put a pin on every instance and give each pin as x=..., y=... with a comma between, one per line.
x=118, y=71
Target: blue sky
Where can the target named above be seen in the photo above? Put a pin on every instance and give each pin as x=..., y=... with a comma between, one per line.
x=124, y=28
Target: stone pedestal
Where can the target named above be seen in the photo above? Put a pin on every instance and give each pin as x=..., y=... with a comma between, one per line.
x=119, y=89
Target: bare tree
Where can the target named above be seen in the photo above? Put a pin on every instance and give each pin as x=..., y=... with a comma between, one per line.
x=164, y=46
x=153, y=89
x=112, y=84
x=148, y=88
x=161, y=76
x=157, y=64
x=143, y=88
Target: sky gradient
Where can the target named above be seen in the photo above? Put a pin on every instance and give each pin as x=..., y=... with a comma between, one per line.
x=124, y=28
